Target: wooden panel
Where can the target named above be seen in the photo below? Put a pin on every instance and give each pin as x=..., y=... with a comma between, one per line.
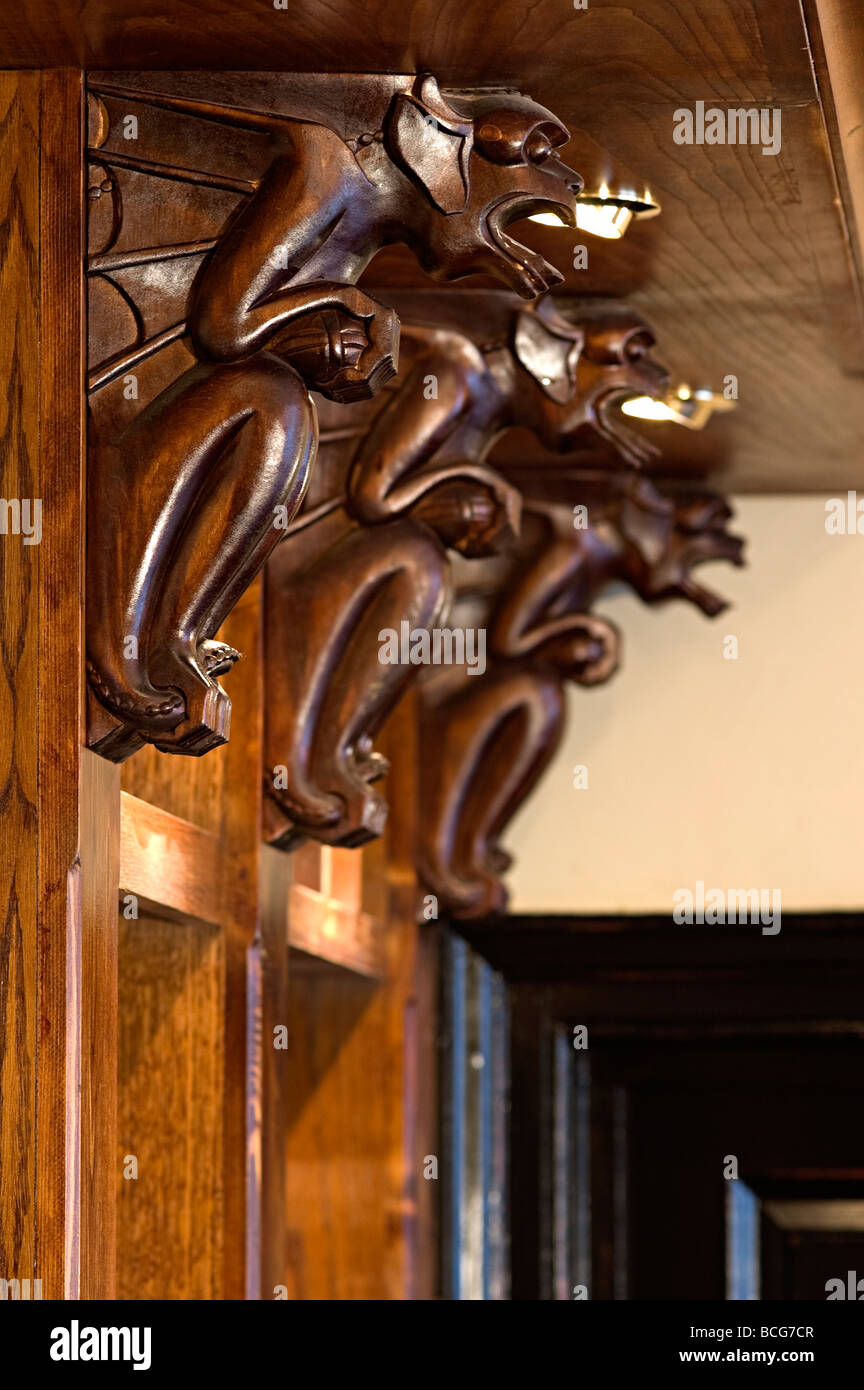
x=344, y=1145
x=191, y=788
x=350, y=1102
x=326, y=928
x=171, y=866
x=198, y=872
x=171, y=1069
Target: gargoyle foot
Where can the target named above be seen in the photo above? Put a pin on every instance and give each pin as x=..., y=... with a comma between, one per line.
x=217, y=658
x=368, y=765
x=306, y=807
x=191, y=666
x=124, y=717
x=349, y=813
x=473, y=893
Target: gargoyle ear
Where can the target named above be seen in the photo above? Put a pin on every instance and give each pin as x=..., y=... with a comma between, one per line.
x=431, y=142
x=548, y=356
x=647, y=519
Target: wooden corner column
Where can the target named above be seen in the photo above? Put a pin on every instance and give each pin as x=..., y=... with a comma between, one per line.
x=53, y=1206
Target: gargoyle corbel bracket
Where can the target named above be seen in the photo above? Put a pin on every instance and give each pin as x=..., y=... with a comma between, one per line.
x=494, y=735
x=419, y=489
x=211, y=323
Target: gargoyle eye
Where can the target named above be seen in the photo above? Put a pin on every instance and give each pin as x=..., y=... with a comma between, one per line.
x=537, y=148
x=637, y=345
x=512, y=137
x=497, y=144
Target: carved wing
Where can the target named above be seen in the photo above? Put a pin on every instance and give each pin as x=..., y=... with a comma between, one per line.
x=165, y=176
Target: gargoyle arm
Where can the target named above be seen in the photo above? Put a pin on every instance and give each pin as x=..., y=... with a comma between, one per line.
x=518, y=627
x=283, y=256
x=388, y=476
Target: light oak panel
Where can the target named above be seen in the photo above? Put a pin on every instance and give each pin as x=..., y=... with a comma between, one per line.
x=171, y=1066
x=171, y=866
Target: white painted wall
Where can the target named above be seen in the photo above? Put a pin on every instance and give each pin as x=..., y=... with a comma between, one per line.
x=744, y=774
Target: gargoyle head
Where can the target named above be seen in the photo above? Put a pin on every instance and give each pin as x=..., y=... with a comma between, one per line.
x=586, y=357
x=664, y=538
x=484, y=161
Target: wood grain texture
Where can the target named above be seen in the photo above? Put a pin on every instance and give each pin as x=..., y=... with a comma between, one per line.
x=836, y=29
x=97, y=1064
x=171, y=866
x=61, y=447
x=272, y=1011
x=40, y=637
x=170, y=1228
x=351, y=1169
x=191, y=788
x=191, y=874
x=240, y=850
x=19, y=687
x=322, y=926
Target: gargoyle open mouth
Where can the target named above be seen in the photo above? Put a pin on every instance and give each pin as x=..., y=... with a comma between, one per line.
x=530, y=274
x=633, y=447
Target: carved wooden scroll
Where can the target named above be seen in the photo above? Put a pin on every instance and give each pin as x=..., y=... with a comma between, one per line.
x=486, y=739
x=230, y=217
x=375, y=560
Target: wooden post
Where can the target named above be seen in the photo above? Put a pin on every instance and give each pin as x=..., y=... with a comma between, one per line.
x=42, y=945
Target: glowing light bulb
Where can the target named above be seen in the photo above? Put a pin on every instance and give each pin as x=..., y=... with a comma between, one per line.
x=683, y=406
x=609, y=220
x=646, y=408
x=604, y=213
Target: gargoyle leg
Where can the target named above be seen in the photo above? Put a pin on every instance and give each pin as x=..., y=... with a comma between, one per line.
x=334, y=692
x=195, y=481
x=484, y=749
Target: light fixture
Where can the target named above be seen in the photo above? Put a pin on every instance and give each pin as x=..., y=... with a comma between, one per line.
x=604, y=212
x=683, y=406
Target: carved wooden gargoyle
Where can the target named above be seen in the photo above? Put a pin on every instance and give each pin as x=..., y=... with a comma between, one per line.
x=487, y=739
x=419, y=485
x=202, y=432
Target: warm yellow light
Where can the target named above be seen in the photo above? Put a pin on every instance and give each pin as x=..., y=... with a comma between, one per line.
x=604, y=213
x=609, y=220
x=646, y=408
x=683, y=406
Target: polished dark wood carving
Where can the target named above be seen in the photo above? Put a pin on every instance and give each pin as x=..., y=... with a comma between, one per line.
x=419, y=485
x=231, y=215
x=487, y=740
